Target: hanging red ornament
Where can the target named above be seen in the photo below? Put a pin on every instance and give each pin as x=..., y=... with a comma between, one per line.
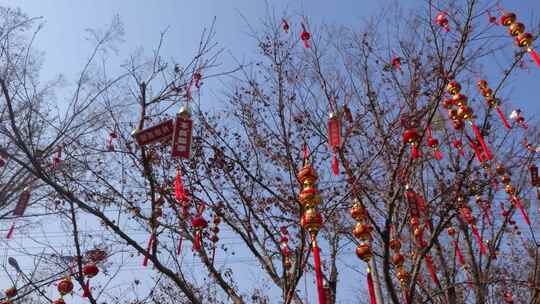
x=431, y=269
x=480, y=139
x=459, y=146
x=59, y=301
x=520, y=120
x=65, y=286
x=199, y=224
x=311, y=219
x=179, y=191
x=334, y=139
x=305, y=36
x=523, y=39
x=89, y=270
x=411, y=136
x=285, y=25
x=433, y=143
x=396, y=63
x=215, y=238
x=442, y=20
x=57, y=157
x=149, y=247
x=197, y=77
x=535, y=182
x=182, y=133
x=491, y=101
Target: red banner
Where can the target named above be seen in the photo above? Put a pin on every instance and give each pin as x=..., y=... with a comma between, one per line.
x=334, y=132
x=158, y=133
x=181, y=143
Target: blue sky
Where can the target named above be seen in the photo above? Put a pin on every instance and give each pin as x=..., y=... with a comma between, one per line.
x=63, y=37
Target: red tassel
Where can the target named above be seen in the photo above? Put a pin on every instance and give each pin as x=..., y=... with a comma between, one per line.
x=371, y=288
x=479, y=238
x=438, y=154
x=305, y=154
x=503, y=118
x=318, y=272
x=535, y=56
x=180, y=193
x=197, y=243
x=459, y=255
x=481, y=140
x=306, y=44
x=405, y=298
x=149, y=250
x=10, y=231
x=415, y=152
x=429, y=264
x=517, y=202
x=335, y=165
x=476, y=150
x=86, y=289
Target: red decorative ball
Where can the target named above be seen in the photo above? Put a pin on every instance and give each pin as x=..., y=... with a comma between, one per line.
x=433, y=143
x=508, y=18
x=90, y=270
x=65, y=286
x=410, y=136
x=199, y=222
x=305, y=35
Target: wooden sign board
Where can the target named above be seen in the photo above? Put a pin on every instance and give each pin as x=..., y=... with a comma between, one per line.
x=158, y=133
x=181, y=143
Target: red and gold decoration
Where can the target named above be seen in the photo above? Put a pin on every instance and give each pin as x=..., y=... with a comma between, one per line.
x=285, y=25
x=520, y=120
x=510, y=190
x=311, y=218
x=64, y=287
x=491, y=101
x=284, y=247
x=466, y=214
x=198, y=224
x=20, y=208
x=362, y=231
x=463, y=113
x=334, y=139
x=182, y=133
x=112, y=136
x=157, y=212
x=411, y=137
x=398, y=260
x=433, y=143
x=517, y=29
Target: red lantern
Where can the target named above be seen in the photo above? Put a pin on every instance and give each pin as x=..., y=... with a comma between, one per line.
x=396, y=63
x=334, y=138
x=65, y=286
x=112, y=136
x=199, y=224
x=285, y=26
x=89, y=270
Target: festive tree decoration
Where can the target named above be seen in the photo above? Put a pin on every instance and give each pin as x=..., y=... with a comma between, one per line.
x=334, y=139
x=459, y=146
x=411, y=137
x=466, y=214
x=491, y=101
x=89, y=270
x=311, y=218
x=396, y=63
x=285, y=25
x=305, y=36
x=183, y=128
x=11, y=292
x=20, y=208
x=398, y=260
x=362, y=231
x=464, y=113
x=284, y=247
x=198, y=224
x=161, y=132
x=433, y=143
x=442, y=20
x=112, y=136
x=57, y=157
x=517, y=29
x=509, y=189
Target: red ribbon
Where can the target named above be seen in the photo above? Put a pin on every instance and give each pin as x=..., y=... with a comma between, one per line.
x=476, y=150
x=503, y=118
x=371, y=288
x=481, y=140
x=431, y=269
x=179, y=191
x=535, y=56
x=335, y=164
x=10, y=231
x=517, y=202
x=86, y=289
x=479, y=238
x=318, y=271
x=148, y=249
x=459, y=255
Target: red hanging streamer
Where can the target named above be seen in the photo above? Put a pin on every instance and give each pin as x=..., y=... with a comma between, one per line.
x=179, y=247
x=459, y=255
x=197, y=244
x=371, y=288
x=479, y=239
x=318, y=271
x=431, y=269
x=438, y=154
x=179, y=191
x=503, y=118
x=285, y=26
x=534, y=56
x=335, y=164
x=481, y=140
x=148, y=249
x=405, y=298
x=476, y=150
x=517, y=202
x=86, y=289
